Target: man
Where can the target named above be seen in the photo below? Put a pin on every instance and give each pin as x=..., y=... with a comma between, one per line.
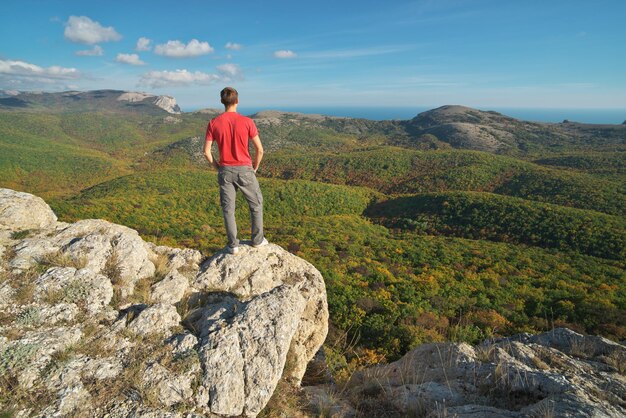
x=232, y=132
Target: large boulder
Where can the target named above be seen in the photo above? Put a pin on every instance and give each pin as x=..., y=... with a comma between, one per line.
x=22, y=211
x=255, y=271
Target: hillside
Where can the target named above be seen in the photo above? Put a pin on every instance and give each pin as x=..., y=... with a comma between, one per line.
x=424, y=230
x=98, y=322
x=88, y=101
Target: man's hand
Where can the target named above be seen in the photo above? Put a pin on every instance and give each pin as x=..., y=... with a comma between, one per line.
x=256, y=141
x=209, y=156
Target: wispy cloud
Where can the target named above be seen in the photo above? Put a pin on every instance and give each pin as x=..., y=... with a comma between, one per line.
x=84, y=30
x=178, y=49
x=143, y=44
x=357, y=52
x=132, y=59
x=233, y=46
x=230, y=71
x=285, y=53
x=96, y=51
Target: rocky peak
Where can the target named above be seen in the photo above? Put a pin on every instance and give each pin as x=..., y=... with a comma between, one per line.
x=167, y=103
x=105, y=323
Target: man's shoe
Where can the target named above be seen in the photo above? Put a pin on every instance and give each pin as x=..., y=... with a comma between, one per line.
x=232, y=250
x=264, y=242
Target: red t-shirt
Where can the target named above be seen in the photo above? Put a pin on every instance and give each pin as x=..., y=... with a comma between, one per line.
x=232, y=131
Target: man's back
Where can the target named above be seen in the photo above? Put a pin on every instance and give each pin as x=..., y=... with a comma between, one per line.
x=232, y=131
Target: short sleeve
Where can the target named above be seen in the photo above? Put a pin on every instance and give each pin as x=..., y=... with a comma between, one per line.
x=252, y=130
x=209, y=132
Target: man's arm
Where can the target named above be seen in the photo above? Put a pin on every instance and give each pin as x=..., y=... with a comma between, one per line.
x=256, y=141
x=209, y=156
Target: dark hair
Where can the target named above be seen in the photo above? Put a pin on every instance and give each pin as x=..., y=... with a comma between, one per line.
x=229, y=96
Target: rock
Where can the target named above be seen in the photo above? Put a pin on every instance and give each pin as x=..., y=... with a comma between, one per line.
x=171, y=389
x=253, y=320
x=255, y=271
x=183, y=343
x=171, y=289
x=157, y=318
x=556, y=373
x=167, y=103
x=66, y=284
x=105, y=248
x=326, y=402
x=27, y=356
x=22, y=211
x=244, y=358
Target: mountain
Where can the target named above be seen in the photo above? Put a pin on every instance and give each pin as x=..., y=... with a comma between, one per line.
x=88, y=101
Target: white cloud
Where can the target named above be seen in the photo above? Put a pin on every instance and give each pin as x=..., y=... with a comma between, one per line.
x=177, y=49
x=285, y=53
x=143, y=44
x=96, y=51
x=225, y=73
x=132, y=59
x=157, y=79
x=84, y=30
x=233, y=46
x=24, y=74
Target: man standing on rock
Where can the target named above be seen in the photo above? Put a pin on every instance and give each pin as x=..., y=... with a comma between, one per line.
x=232, y=132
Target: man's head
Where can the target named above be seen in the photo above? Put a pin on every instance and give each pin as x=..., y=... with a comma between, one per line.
x=229, y=96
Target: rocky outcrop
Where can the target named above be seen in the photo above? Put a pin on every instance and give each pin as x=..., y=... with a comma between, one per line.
x=559, y=373
x=98, y=322
x=167, y=103
x=22, y=211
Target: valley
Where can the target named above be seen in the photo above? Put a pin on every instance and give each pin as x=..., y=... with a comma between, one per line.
x=458, y=224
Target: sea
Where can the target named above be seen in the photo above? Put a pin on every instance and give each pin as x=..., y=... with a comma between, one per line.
x=600, y=116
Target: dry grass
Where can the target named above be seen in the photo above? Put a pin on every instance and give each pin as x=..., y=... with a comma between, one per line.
x=160, y=262
x=617, y=360
x=485, y=353
x=14, y=397
x=60, y=259
x=112, y=269
x=287, y=401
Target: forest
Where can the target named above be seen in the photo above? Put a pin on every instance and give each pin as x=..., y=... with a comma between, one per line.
x=418, y=238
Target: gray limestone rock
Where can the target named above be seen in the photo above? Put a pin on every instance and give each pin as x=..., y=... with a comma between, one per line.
x=556, y=373
x=252, y=320
x=171, y=289
x=158, y=318
x=64, y=284
x=244, y=358
x=255, y=271
x=103, y=247
x=22, y=211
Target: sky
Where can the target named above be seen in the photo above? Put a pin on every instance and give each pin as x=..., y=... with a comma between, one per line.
x=479, y=53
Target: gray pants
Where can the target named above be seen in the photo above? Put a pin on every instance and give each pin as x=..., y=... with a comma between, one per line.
x=231, y=178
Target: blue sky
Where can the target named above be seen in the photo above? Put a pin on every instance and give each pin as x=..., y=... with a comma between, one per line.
x=481, y=53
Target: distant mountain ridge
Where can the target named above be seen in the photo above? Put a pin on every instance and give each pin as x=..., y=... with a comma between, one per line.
x=94, y=100
x=450, y=126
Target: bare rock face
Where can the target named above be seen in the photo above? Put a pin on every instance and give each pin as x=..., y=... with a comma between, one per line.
x=256, y=271
x=557, y=373
x=22, y=211
x=103, y=247
x=95, y=318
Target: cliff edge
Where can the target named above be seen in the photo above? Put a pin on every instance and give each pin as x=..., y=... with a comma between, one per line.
x=95, y=321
